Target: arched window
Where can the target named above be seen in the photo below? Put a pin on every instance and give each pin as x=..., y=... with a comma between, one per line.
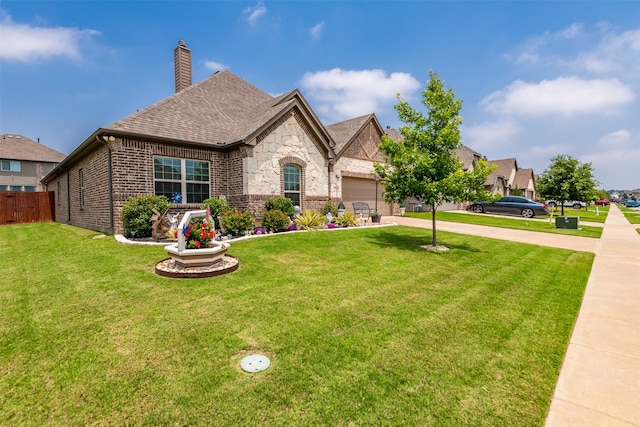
x=292, y=183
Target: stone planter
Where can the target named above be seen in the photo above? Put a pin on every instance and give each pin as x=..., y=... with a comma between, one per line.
x=205, y=257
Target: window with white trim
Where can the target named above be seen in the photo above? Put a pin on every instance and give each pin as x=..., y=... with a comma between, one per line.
x=292, y=183
x=176, y=178
x=11, y=165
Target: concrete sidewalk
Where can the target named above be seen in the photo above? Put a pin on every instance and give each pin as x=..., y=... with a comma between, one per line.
x=599, y=382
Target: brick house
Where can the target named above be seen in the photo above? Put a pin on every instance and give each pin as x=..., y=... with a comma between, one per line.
x=24, y=162
x=219, y=137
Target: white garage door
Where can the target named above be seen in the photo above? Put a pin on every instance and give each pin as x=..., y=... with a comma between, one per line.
x=364, y=190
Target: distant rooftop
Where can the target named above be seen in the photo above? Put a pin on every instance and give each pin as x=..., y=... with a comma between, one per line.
x=18, y=147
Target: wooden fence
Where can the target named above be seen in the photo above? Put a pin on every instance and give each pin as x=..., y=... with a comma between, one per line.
x=25, y=206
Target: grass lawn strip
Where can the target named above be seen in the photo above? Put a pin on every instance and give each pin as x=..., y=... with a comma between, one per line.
x=362, y=328
x=632, y=215
x=509, y=222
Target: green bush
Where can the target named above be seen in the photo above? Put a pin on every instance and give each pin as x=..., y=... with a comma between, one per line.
x=137, y=211
x=275, y=220
x=280, y=204
x=217, y=207
x=329, y=207
x=236, y=221
x=310, y=220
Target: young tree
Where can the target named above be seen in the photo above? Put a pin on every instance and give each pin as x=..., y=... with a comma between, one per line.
x=424, y=164
x=566, y=179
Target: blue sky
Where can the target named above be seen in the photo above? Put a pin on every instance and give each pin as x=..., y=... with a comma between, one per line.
x=538, y=78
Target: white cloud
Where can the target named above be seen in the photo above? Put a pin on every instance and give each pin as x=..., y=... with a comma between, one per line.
x=564, y=96
x=214, y=66
x=615, y=53
x=489, y=134
x=344, y=94
x=26, y=43
x=255, y=12
x=316, y=30
x=534, y=44
x=617, y=138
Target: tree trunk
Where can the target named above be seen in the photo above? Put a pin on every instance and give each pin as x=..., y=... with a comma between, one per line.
x=433, y=224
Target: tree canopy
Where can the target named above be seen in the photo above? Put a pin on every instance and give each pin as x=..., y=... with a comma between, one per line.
x=567, y=179
x=424, y=164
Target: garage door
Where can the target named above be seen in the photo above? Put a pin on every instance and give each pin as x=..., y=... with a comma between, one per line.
x=363, y=190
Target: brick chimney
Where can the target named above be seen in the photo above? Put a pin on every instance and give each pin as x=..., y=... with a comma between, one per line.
x=182, y=62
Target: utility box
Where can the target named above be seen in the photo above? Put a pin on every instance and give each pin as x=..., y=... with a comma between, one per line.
x=567, y=222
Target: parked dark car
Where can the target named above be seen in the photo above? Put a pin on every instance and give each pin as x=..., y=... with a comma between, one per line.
x=512, y=205
x=631, y=203
x=603, y=202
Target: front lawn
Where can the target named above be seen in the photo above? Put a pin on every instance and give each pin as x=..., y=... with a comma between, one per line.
x=362, y=328
x=507, y=221
x=632, y=215
x=589, y=214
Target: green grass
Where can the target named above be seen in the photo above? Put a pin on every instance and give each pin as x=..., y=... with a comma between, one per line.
x=362, y=327
x=509, y=222
x=588, y=214
x=632, y=215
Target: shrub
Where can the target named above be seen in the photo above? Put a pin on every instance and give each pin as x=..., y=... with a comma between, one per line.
x=310, y=220
x=217, y=207
x=137, y=211
x=275, y=220
x=329, y=207
x=347, y=220
x=280, y=204
x=237, y=221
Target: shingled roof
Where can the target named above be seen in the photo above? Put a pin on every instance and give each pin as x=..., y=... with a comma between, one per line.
x=523, y=176
x=343, y=132
x=18, y=147
x=220, y=110
x=505, y=166
x=467, y=156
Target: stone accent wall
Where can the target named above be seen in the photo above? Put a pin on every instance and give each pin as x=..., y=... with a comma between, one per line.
x=288, y=141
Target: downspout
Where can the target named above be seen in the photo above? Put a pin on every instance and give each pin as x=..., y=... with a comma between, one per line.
x=110, y=179
x=227, y=180
x=329, y=172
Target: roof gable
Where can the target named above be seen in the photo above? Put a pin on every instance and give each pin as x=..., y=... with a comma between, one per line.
x=523, y=178
x=468, y=157
x=358, y=137
x=505, y=166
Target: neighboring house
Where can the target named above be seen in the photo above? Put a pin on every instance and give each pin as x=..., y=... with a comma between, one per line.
x=220, y=137
x=525, y=181
x=506, y=168
x=24, y=162
x=496, y=184
x=469, y=159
